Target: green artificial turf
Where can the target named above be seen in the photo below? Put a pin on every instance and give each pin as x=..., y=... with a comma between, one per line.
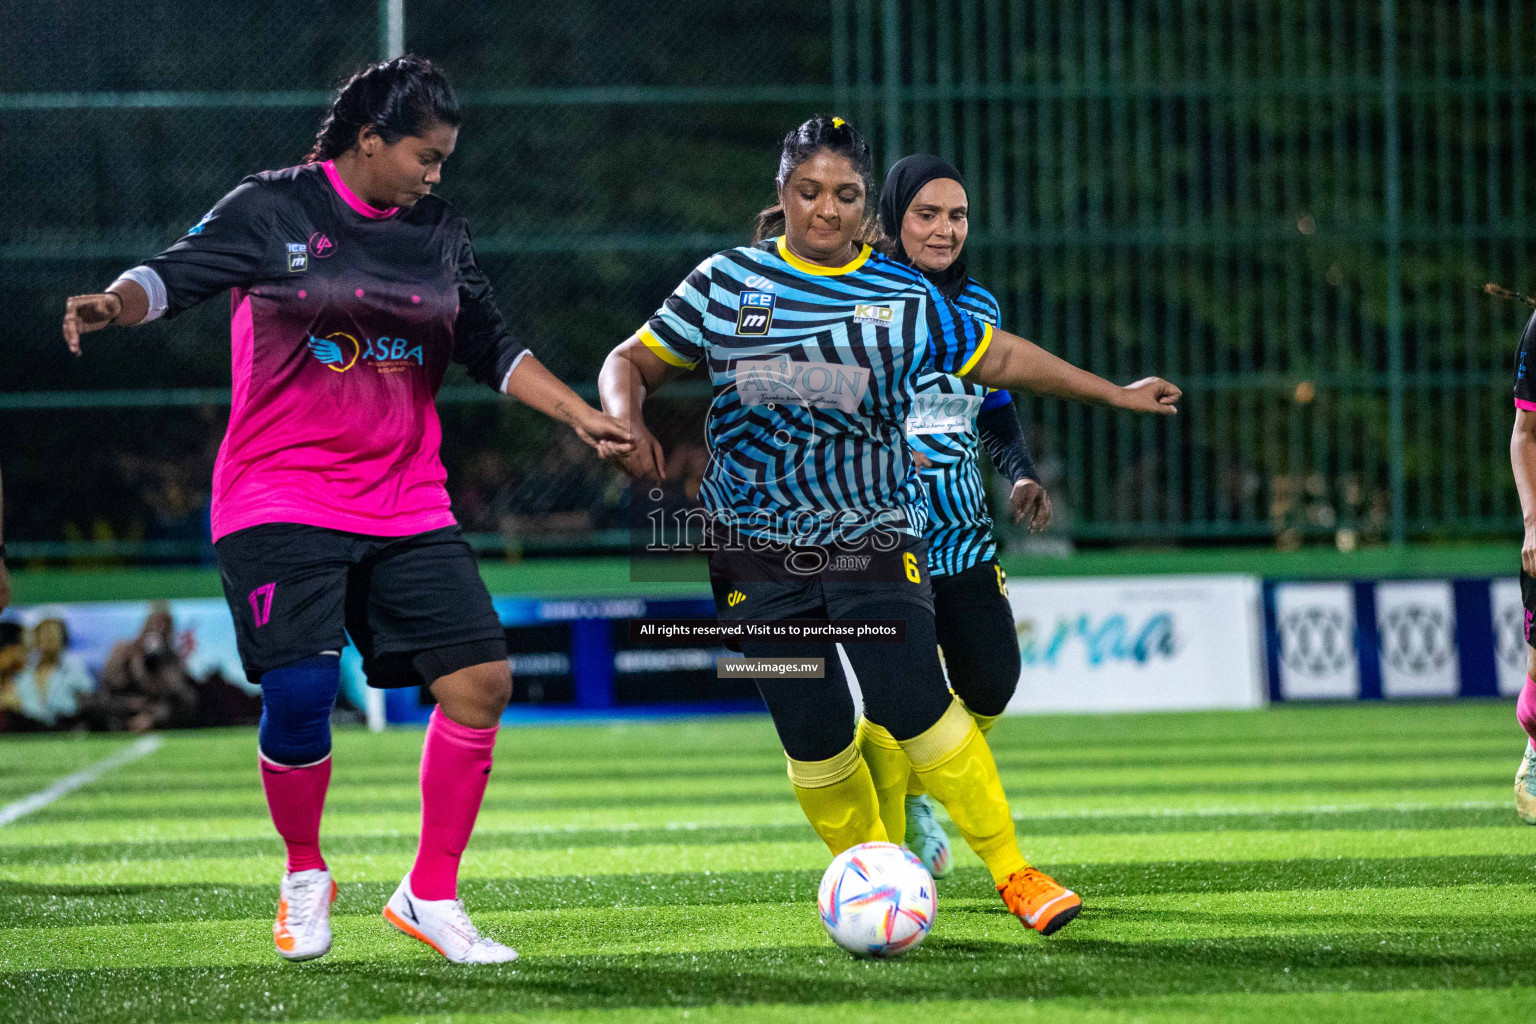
x=1300, y=863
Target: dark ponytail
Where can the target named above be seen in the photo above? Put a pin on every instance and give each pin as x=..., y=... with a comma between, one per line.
x=400, y=97
x=821, y=132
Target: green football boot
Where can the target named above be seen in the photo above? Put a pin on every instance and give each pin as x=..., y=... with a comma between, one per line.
x=926, y=837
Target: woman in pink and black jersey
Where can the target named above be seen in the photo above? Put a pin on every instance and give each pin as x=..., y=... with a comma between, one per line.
x=352, y=289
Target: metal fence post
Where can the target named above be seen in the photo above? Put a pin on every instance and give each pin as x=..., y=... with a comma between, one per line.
x=1391, y=172
x=391, y=45
x=391, y=29
x=894, y=57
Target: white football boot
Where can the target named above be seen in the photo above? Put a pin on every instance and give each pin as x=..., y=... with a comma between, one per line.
x=443, y=925
x=302, y=930
x=1525, y=787
x=926, y=837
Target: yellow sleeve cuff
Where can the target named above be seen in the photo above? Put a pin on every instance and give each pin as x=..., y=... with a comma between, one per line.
x=981, y=350
x=663, y=353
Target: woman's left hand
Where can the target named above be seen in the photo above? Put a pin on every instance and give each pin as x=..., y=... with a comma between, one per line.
x=1151, y=394
x=1028, y=501
x=606, y=433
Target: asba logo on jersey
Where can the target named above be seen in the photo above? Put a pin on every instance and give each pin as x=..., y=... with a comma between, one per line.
x=756, y=313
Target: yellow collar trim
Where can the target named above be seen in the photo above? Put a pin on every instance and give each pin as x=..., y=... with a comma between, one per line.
x=815, y=268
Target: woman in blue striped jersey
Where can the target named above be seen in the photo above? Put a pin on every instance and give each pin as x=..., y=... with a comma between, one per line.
x=924, y=213
x=813, y=343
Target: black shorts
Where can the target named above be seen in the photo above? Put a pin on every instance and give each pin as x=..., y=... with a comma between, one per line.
x=976, y=631
x=809, y=582
x=1528, y=598
x=295, y=591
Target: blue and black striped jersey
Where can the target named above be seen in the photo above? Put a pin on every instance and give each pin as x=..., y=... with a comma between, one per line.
x=942, y=426
x=813, y=369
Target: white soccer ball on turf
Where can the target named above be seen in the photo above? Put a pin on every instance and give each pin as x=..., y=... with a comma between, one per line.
x=877, y=900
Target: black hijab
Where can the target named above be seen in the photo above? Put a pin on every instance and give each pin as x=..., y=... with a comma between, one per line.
x=903, y=182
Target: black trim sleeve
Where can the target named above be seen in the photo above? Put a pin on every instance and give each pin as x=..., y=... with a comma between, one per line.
x=1004, y=440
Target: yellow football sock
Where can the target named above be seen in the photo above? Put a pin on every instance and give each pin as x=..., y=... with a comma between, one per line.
x=915, y=785
x=888, y=769
x=838, y=797
x=955, y=763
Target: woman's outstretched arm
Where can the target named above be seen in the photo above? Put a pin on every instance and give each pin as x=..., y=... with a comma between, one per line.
x=630, y=373
x=1015, y=364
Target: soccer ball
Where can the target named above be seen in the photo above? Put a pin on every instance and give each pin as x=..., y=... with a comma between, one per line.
x=877, y=900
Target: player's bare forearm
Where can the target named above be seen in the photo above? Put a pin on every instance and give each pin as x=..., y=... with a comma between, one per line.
x=1522, y=460
x=631, y=372
x=1013, y=363
x=124, y=303
x=1016, y=364
x=135, y=303
x=532, y=384
x=620, y=387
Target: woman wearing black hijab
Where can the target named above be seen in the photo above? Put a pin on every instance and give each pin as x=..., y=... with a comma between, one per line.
x=923, y=216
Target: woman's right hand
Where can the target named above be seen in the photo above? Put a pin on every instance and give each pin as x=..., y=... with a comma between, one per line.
x=642, y=460
x=1153, y=394
x=86, y=313
x=1528, y=552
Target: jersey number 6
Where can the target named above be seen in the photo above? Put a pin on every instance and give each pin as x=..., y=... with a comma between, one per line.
x=910, y=561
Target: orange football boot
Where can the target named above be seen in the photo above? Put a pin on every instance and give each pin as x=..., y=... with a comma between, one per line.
x=1039, y=900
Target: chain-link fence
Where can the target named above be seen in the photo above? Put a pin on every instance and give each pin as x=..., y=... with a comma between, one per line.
x=1288, y=206
x=603, y=154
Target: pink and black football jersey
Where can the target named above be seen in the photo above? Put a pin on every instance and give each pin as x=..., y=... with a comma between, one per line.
x=1525, y=368
x=343, y=320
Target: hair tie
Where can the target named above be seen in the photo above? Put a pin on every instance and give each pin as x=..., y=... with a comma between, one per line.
x=838, y=122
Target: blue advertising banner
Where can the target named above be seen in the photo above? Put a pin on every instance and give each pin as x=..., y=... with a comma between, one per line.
x=1394, y=639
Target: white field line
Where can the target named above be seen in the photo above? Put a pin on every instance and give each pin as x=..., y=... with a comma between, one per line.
x=1220, y=812
x=85, y=776
x=1172, y=812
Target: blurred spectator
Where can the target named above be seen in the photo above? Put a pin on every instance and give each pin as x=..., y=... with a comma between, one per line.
x=220, y=702
x=687, y=462
x=172, y=493
x=13, y=658
x=479, y=493
x=561, y=494
x=145, y=684
x=49, y=690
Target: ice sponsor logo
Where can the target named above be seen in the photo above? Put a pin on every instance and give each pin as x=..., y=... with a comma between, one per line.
x=298, y=257
x=340, y=351
x=756, y=313
x=936, y=413
x=809, y=383
x=877, y=316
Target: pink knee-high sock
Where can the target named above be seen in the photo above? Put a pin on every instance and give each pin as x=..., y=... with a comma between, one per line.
x=455, y=767
x=1525, y=708
x=296, y=798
